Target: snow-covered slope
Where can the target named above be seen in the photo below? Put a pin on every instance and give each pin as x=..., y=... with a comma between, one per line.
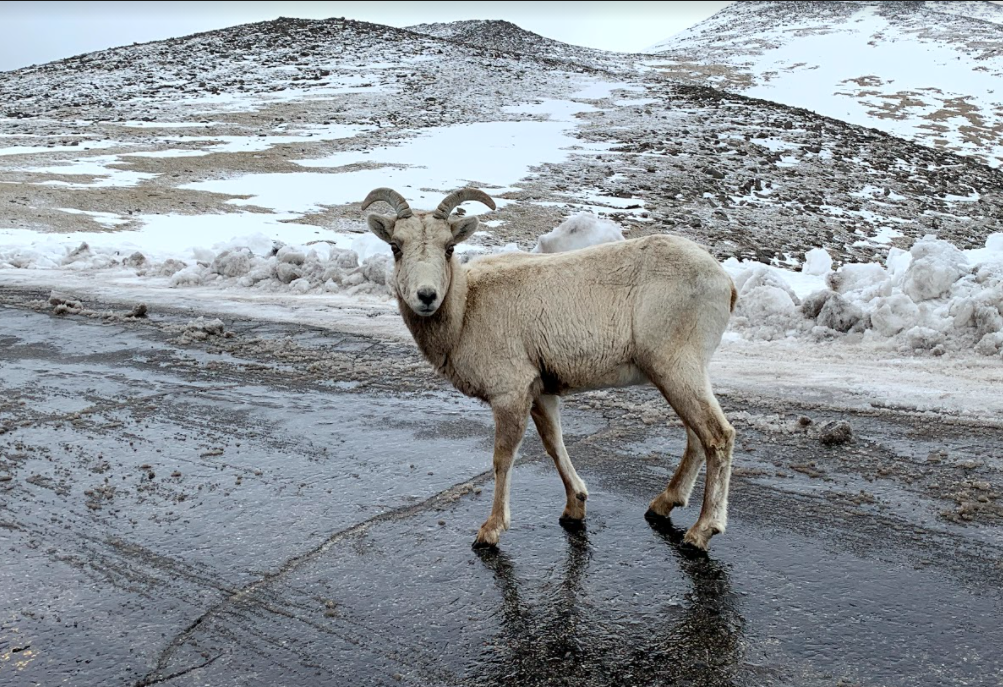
x=931, y=72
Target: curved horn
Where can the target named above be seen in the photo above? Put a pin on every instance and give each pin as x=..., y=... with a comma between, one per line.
x=457, y=197
x=388, y=195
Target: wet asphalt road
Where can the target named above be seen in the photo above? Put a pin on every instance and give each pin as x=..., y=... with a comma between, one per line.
x=223, y=513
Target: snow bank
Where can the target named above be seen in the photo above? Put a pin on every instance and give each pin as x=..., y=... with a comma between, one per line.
x=933, y=298
x=255, y=262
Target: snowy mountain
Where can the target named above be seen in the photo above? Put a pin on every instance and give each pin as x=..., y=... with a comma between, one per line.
x=235, y=160
x=256, y=108
x=284, y=59
x=927, y=71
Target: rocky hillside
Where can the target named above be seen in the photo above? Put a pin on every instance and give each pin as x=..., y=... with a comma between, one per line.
x=759, y=180
x=506, y=36
x=927, y=71
x=287, y=59
x=324, y=110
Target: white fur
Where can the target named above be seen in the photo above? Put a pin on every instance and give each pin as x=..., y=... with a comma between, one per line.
x=517, y=330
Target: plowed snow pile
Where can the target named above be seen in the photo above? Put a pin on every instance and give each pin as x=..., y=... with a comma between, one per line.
x=932, y=299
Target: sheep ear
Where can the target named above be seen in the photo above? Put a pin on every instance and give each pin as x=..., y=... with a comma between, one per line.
x=382, y=226
x=463, y=228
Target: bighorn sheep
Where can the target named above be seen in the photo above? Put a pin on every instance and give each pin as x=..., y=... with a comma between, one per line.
x=519, y=330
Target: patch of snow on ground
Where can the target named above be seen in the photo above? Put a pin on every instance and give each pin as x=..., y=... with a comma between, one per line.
x=166, y=125
x=255, y=144
x=494, y=156
x=603, y=89
x=178, y=152
x=639, y=102
x=775, y=145
x=108, y=219
x=876, y=192
x=96, y=166
x=82, y=145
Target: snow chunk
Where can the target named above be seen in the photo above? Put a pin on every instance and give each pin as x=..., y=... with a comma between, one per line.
x=924, y=338
x=856, y=277
x=835, y=433
x=767, y=312
x=936, y=265
x=81, y=252
x=838, y=313
x=762, y=276
x=136, y=260
x=898, y=261
x=235, y=263
x=290, y=255
x=169, y=268
x=817, y=261
x=202, y=329
x=344, y=259
x=189, y=276
x=579, y=231
x=378, y=269
x=893, y=314
x=367, y=245
x=987, y=320
x=288, y=272
x=990, y=344
x=766, y=301
x=812, y=305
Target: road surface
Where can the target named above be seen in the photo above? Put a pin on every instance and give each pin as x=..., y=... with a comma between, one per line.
x=294, y=505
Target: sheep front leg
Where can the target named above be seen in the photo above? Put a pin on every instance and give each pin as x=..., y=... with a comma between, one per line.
x=510, y=426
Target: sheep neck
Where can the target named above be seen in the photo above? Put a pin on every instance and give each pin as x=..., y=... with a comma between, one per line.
x=437, y=334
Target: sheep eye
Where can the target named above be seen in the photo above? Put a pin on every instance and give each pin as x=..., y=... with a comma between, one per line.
x=449, y=251
x=397, y=251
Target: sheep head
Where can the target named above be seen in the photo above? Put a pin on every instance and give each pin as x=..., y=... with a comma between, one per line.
x=423, y=244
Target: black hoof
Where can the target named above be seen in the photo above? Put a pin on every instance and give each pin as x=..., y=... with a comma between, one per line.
x=664, y=527
x=572, y=524
x=692, y=552
x=652, y=516
x=483, y=546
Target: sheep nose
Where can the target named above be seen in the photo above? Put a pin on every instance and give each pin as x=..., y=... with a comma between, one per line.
x=426, y=295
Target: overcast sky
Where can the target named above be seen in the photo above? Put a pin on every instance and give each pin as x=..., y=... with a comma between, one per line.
x=37, y=32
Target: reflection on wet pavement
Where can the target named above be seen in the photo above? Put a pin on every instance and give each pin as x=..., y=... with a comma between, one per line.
x=566, y=639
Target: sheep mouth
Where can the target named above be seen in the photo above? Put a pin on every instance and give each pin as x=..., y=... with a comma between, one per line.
x=425, y=310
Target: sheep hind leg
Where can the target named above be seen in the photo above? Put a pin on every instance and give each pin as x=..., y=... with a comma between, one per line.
x=687, y=389
x=510, y=426
x=677, y=493
x=546, y=415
